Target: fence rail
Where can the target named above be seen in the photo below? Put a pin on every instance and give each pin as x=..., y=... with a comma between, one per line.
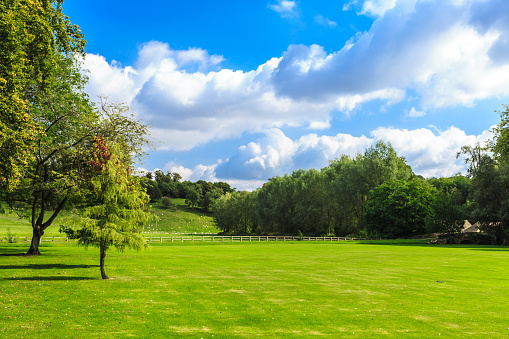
x=203, y=238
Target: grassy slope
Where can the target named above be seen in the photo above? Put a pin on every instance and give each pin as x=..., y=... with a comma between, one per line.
x=249, y=290
x=179, y=220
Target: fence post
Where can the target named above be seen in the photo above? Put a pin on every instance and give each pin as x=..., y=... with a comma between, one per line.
x=202, y=237
x=161, y=239
x=222, y=238
x=171, y=239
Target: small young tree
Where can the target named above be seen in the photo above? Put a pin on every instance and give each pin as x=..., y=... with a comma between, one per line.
x=117, y=210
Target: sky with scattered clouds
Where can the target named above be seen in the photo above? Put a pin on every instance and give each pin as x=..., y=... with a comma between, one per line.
x=244, y=91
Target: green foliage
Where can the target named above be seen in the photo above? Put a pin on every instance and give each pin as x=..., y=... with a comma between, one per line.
x=500, y=143
x=490, y=193
x=117, y=212
x=490, y=182
x=276, y=205
x=193, y=195
x=311, y=207
x=316, y=202
x=10, y=236
x=209, y=198
x=65, y=121
x=166, y=202
x=354, y=178
x=152, y=189
x=56, y=178
x=399, y=208
x=235, y=213
x=34, y=34
x=449, y=205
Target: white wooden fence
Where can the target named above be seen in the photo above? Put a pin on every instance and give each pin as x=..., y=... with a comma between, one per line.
x=206, y=238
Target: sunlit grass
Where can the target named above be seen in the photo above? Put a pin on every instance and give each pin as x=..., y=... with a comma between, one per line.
x=180, y=219
x=249, y=290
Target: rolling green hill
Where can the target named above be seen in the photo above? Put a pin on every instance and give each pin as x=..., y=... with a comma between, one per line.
x=180, y=219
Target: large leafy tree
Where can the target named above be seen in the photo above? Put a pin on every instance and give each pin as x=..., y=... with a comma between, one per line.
x=30, y=33
x=356, y=177
x=65, y=120
x=235, y=212
x=276, y=205
x=54, y=178
x=399, y=208
x=490, y=182
x=490, y=193
x=310, y=216
x=117, y=211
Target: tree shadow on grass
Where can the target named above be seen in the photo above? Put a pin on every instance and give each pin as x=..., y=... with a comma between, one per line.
x=44, y=266
x=14, y=255
x=53, y=278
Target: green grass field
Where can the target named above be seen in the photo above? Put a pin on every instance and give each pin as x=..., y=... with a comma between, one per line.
x=257, y=290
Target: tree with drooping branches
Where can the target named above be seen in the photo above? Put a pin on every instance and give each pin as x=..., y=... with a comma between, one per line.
x=118, y=207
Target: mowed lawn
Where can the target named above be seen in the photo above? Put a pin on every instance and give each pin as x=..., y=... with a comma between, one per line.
x=257, y=290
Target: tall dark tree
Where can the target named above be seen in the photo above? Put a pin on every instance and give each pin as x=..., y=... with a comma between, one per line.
x=490, y=182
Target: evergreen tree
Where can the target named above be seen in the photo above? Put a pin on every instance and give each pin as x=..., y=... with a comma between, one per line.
x=117, y=211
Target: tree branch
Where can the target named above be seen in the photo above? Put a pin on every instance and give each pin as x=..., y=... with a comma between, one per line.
x=55, y=214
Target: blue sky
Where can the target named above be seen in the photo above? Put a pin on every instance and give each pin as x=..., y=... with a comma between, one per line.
x=241, y=91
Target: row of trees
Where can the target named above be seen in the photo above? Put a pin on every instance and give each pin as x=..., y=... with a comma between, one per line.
x=373, y=193
x=57, y=149
x=199, y=194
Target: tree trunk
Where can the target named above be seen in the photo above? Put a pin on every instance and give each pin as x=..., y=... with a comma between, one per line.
x=103, y=255
x=36, y=240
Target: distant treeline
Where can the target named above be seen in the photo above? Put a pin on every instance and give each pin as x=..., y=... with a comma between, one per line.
x=373, y=194
x=199, y=194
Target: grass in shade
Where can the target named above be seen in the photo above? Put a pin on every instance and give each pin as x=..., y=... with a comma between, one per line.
x=257, y=290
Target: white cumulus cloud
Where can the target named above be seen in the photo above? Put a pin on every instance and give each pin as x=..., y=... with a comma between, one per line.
x=449, y=52
x=284, y=7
